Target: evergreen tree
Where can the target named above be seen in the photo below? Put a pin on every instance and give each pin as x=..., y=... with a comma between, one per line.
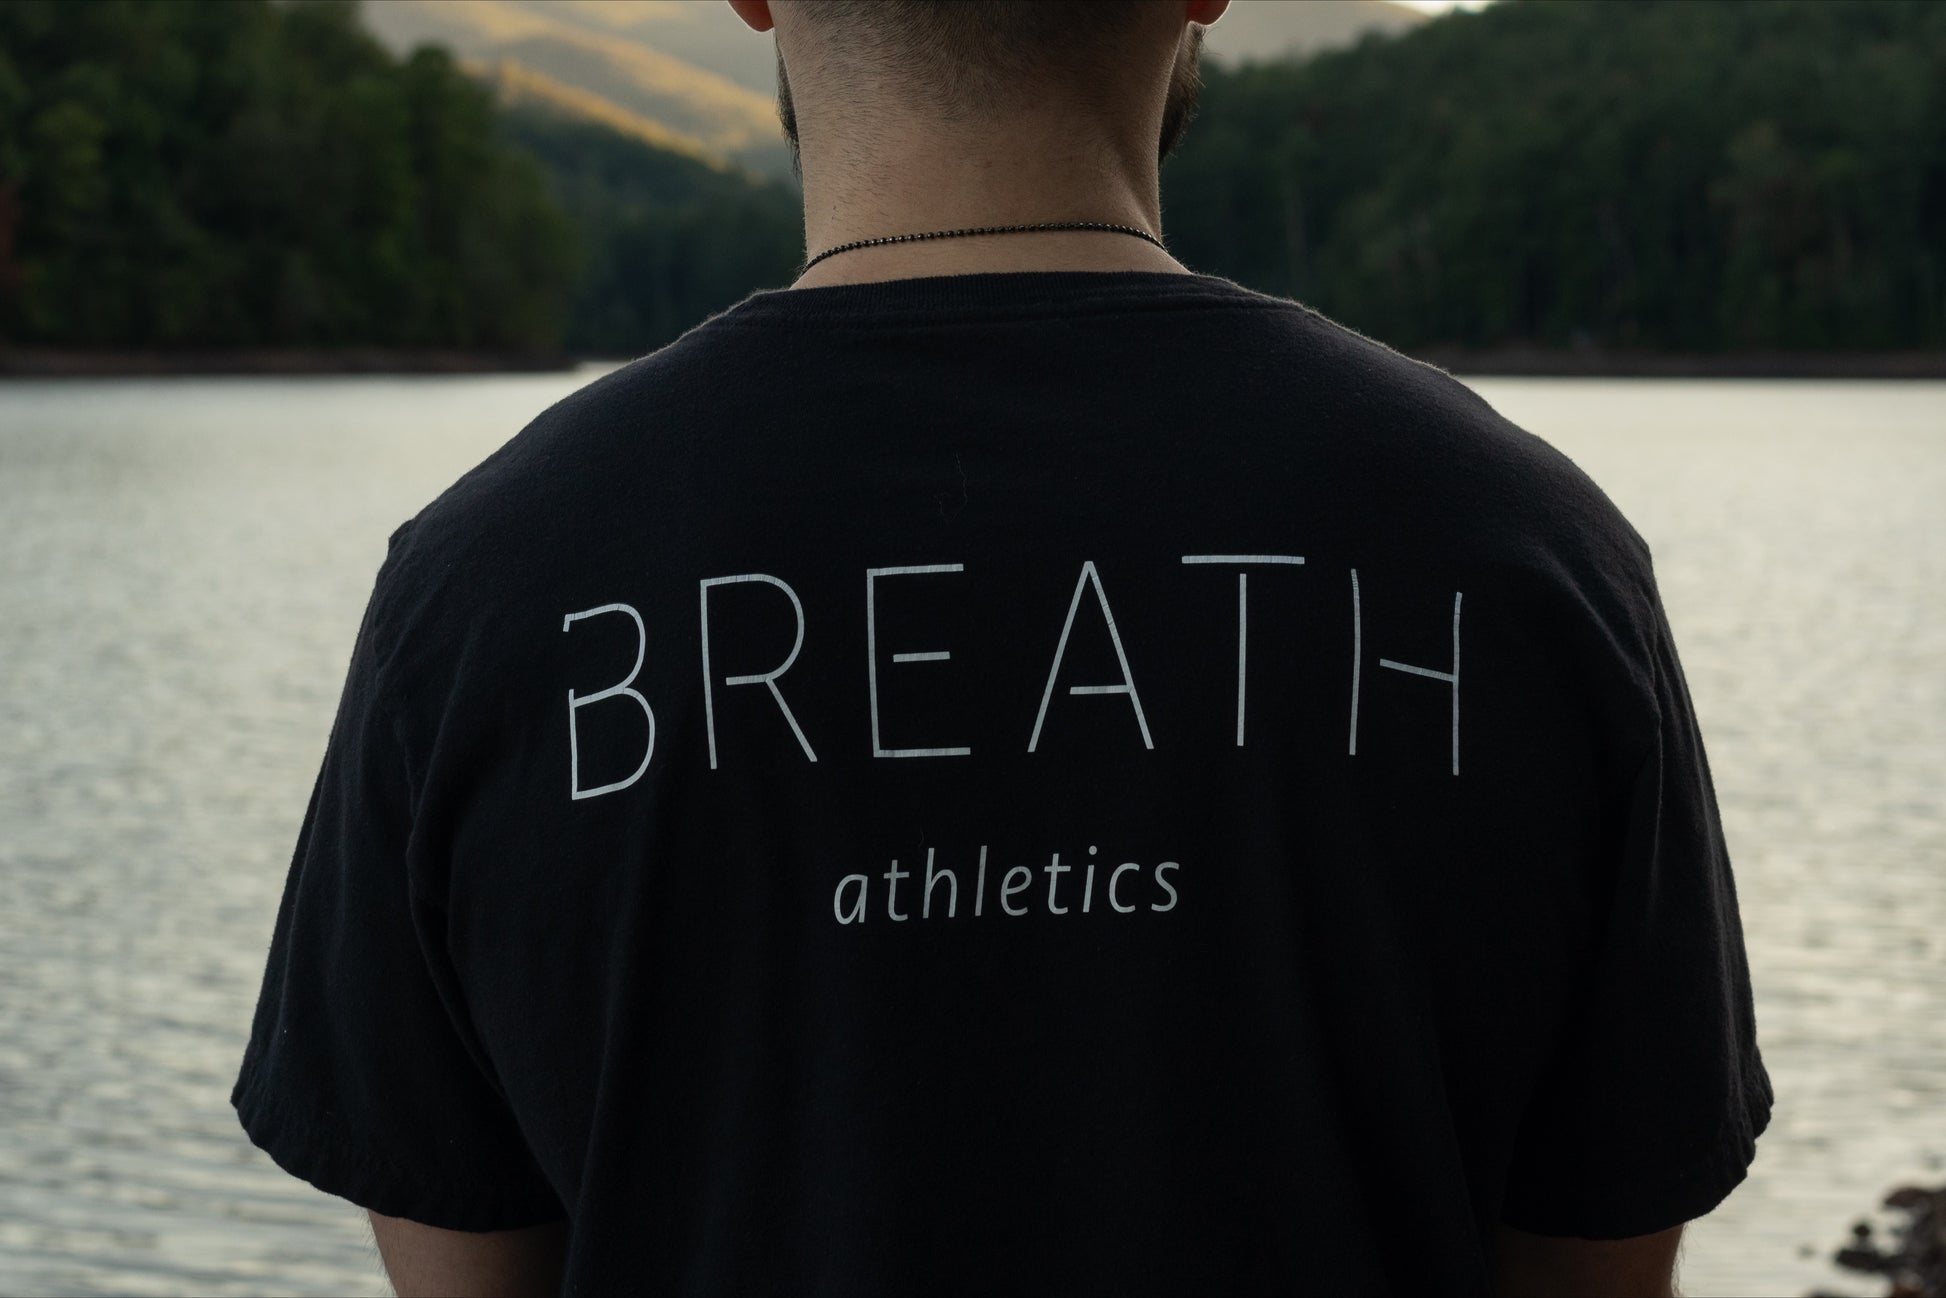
x=1629, y=173
x=235, y=172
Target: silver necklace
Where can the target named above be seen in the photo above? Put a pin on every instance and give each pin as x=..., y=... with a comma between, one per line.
x=990, y=229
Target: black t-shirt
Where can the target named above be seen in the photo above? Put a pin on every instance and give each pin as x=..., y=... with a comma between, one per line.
x=1035, y=782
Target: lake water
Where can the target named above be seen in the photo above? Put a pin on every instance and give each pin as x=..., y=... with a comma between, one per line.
x=182, y=568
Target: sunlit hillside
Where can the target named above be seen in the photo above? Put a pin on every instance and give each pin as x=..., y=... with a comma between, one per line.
x=688, y=75
x=611, y=62
x=515, y=85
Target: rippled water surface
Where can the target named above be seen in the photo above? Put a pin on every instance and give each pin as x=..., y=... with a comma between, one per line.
x=183, y=564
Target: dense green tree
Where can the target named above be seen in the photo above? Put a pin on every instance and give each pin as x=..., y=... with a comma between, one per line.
x=1631, y=173
x=235, y=172
x=1655, y=174
x=670, y=239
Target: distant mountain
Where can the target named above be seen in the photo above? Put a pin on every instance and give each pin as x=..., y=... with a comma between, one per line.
x=1253, y=31
x=688, y=75
x=650, y=68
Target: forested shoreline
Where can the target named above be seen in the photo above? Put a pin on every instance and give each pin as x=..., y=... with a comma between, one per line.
x=1629, y=186
x=1697, y=177
x=242, y=174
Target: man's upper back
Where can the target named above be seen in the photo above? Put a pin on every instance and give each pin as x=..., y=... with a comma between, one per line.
x=1067, y=781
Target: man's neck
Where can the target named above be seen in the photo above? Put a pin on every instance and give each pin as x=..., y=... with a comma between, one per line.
x=1024, y=175
x=1031, y=250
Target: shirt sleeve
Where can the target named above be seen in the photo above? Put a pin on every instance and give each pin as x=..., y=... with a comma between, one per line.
x=363, y=1075
x=1649, y=1113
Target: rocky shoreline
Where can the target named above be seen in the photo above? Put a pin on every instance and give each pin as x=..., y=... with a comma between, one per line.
x=1510, y=362
x=1914, y=1262
x=95, y=364
x=1534, y=362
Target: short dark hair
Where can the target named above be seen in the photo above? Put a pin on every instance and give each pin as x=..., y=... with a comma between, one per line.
x=965, y=56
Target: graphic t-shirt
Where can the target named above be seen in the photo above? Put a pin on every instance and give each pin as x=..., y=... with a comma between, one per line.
x=1062, y=782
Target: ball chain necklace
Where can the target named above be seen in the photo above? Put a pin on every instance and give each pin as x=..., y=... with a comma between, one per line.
x=990, y=229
